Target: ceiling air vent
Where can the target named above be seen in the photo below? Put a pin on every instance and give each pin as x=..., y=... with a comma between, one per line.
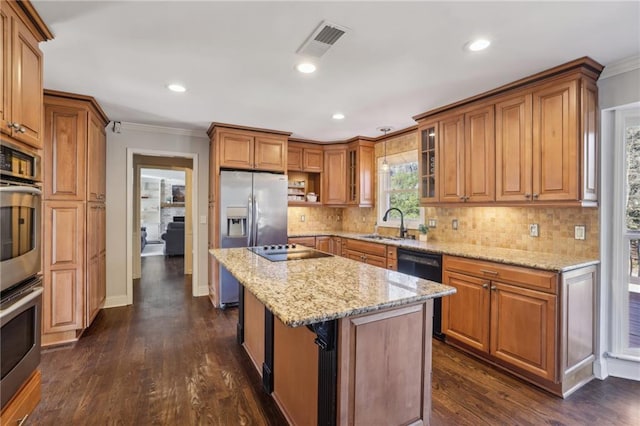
x=321, y=39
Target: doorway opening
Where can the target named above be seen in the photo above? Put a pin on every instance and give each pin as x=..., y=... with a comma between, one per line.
x=161, y=211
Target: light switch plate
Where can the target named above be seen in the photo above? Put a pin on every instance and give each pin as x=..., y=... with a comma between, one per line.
x=203, y=219
x=454, y=224
x=302, y=218
x=431, y=223
x=580, y=232
x=534, y=230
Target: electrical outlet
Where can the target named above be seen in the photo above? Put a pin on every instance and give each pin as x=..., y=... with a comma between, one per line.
x=579, y=232
x=302, y=218
x=534, y=230
x=364, y=219
x=431, y=223
x=454, y=224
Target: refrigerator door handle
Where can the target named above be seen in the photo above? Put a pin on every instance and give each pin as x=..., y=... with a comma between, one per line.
x=250, y=224
x=256, y=218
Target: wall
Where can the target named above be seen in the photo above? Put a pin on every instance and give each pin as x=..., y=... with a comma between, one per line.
x=141, y=137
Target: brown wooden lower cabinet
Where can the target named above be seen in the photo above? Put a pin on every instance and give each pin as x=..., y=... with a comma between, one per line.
x=524, y=320
x=323, y=243
x=24, y=402
x=303, y=241
x=362, y=251
x=373, y=368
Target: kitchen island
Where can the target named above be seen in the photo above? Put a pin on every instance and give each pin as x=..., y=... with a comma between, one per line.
x=337, y=341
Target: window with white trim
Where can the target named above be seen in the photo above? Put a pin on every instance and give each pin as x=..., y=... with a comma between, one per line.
x=626, y=234
x=398, y=187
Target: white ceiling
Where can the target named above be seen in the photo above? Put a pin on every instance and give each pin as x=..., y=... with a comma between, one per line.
x=237, y=58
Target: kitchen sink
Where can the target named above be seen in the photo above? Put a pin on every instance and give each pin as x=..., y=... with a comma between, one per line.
x=379, y=237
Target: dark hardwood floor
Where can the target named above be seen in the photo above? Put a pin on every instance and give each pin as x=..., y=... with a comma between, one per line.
x=171, y=359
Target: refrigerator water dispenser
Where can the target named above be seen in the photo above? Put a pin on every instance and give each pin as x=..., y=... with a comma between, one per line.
x=237, y=221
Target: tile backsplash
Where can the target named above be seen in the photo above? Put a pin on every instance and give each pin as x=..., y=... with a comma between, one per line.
x=506, y=227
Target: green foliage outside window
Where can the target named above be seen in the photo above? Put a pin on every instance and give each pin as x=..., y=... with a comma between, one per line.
x=403, y=190
x=633, y=178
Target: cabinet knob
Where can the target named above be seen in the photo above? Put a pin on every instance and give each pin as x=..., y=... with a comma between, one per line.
x=493, y=287
x=527, y=195
x=485, y=285
x=462, y=198
x=536, y=196
x=21, y=130
x=13, y=125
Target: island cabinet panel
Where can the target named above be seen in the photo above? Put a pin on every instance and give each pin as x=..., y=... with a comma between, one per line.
x=385, y=367
x=254, y=329
x=295, y=382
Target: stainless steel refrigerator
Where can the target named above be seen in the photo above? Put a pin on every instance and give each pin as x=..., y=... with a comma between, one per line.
x=253, y=212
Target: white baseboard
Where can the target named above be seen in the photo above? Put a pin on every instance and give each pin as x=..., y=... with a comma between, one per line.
x=203, y=291
x=115, y=301
x=600, y=368
x=623, y=368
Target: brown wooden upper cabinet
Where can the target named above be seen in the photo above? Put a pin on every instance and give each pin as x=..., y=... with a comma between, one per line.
x=21, y=29
x=75, y=148
x=530, y=142
x=360, y=173
x=252, y=150
x=304, y=157
x=467, y=159
x=335, y=175
x=546, y=143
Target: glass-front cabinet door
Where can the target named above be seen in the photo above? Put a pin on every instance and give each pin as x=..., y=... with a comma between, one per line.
x=428, y=163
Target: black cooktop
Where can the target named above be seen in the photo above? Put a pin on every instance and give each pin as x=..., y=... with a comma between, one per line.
x=284, y=252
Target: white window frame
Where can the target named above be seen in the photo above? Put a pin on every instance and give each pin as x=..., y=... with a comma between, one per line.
x=620, y=248
x=382, y=200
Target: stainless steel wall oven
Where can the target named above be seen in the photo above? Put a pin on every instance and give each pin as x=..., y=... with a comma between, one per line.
x=20, y=264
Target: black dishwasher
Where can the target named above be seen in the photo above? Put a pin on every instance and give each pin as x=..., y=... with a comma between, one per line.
x=428, y=266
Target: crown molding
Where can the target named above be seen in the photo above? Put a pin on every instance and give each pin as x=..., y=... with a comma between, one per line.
x=147, y=128
x=620, y=67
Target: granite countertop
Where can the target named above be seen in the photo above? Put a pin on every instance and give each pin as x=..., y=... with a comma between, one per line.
x=302, y=292
x=546, y=261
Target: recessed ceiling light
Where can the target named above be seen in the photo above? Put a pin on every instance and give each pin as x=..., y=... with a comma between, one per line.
x=176, y=88
x=338, y=116
x=306, y=67
x=479, y=44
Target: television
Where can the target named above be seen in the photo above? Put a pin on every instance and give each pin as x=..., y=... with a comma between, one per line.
x=177, y=191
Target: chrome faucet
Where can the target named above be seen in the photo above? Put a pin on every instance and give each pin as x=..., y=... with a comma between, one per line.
x=403, y=231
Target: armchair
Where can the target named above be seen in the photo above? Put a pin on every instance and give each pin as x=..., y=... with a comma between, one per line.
x=174, y=239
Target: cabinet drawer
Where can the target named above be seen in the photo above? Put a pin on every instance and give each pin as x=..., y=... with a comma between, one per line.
x=369, y=248
x=24, y=402
x=525, y=277
x=303, y=241
x=367, y=258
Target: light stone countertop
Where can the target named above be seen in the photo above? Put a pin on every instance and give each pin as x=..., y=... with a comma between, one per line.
x=546, y=261
x=302, y=292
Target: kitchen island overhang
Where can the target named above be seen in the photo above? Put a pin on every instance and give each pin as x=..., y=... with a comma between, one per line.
x=367, y=335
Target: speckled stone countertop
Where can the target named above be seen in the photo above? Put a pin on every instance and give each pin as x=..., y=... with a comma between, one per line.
x=301, y=292
x=545, y=261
